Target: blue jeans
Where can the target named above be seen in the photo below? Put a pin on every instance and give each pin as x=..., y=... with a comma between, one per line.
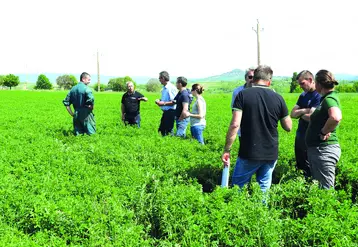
x=244, y=170
x=181, y=127
x=197, y=132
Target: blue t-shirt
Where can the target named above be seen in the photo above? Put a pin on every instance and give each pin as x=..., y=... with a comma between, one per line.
x=306, y=100
x=182, y=97
x=235, y=93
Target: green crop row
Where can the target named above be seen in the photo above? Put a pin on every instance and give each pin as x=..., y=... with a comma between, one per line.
x=131, y=187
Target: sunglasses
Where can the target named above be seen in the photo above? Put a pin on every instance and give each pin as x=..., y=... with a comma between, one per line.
x=250, y=76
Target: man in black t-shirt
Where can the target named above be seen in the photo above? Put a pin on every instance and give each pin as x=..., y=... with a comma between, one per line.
x=131, y=105
x=257, y=111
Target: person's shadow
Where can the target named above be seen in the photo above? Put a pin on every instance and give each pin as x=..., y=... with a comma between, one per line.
x=208, y=176
x=61, y=133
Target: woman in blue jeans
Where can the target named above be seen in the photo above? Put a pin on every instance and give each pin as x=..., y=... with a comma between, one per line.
x=197, y=115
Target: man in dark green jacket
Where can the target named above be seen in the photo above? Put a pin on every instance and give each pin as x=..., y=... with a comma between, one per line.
x=82, y=99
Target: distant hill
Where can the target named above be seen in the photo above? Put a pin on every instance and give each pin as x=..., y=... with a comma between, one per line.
x=238, y=74
x=346, y=77
x=234, y=75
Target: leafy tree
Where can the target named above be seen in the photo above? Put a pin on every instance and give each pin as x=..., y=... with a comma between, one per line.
x=102, y=87
x=43, y=82
x=345, y=88
x=116, y=84
x=355, y=86
x=66, y=81
x=74, y=80
x=294, y=88
x=127, y=79
x=119, y=83
x=11, y=80
x=153, y=85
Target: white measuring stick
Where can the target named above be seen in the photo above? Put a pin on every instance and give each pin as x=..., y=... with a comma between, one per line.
x=225, y=177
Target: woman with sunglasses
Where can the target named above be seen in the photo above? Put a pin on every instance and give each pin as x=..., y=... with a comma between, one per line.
x=197, y=115
x=323, y=149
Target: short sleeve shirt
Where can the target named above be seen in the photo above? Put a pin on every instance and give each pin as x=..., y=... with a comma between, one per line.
x=131, y=103
x=180, y=98
x=262, y=108
x=306, y=100
x=168, y=94
x=235, y=93
x=319, y=118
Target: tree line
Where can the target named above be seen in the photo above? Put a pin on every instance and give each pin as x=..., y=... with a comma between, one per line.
x=67, y=81
x=119, y=84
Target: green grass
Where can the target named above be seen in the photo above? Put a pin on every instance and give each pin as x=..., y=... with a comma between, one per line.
x=131, y=187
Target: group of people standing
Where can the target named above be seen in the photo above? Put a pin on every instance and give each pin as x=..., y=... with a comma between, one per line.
x=175, y=104
x=318, y=108
x=256, y=111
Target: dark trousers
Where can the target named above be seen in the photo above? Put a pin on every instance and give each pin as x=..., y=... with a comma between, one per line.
x=84, y=122
x=132, y=120
x=301, y=156
x=167, y=122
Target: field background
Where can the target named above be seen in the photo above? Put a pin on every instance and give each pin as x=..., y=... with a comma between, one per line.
x=131, y=187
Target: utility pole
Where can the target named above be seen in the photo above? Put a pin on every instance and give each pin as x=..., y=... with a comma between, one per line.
x=257, y=31
x=98, y=76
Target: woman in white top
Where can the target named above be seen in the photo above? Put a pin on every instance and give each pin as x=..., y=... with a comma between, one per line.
x=197, y=115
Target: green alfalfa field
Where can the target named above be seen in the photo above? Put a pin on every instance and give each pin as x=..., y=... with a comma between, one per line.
x=131, y=187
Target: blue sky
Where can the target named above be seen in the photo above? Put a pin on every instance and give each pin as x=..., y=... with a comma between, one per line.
x=193, y=38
